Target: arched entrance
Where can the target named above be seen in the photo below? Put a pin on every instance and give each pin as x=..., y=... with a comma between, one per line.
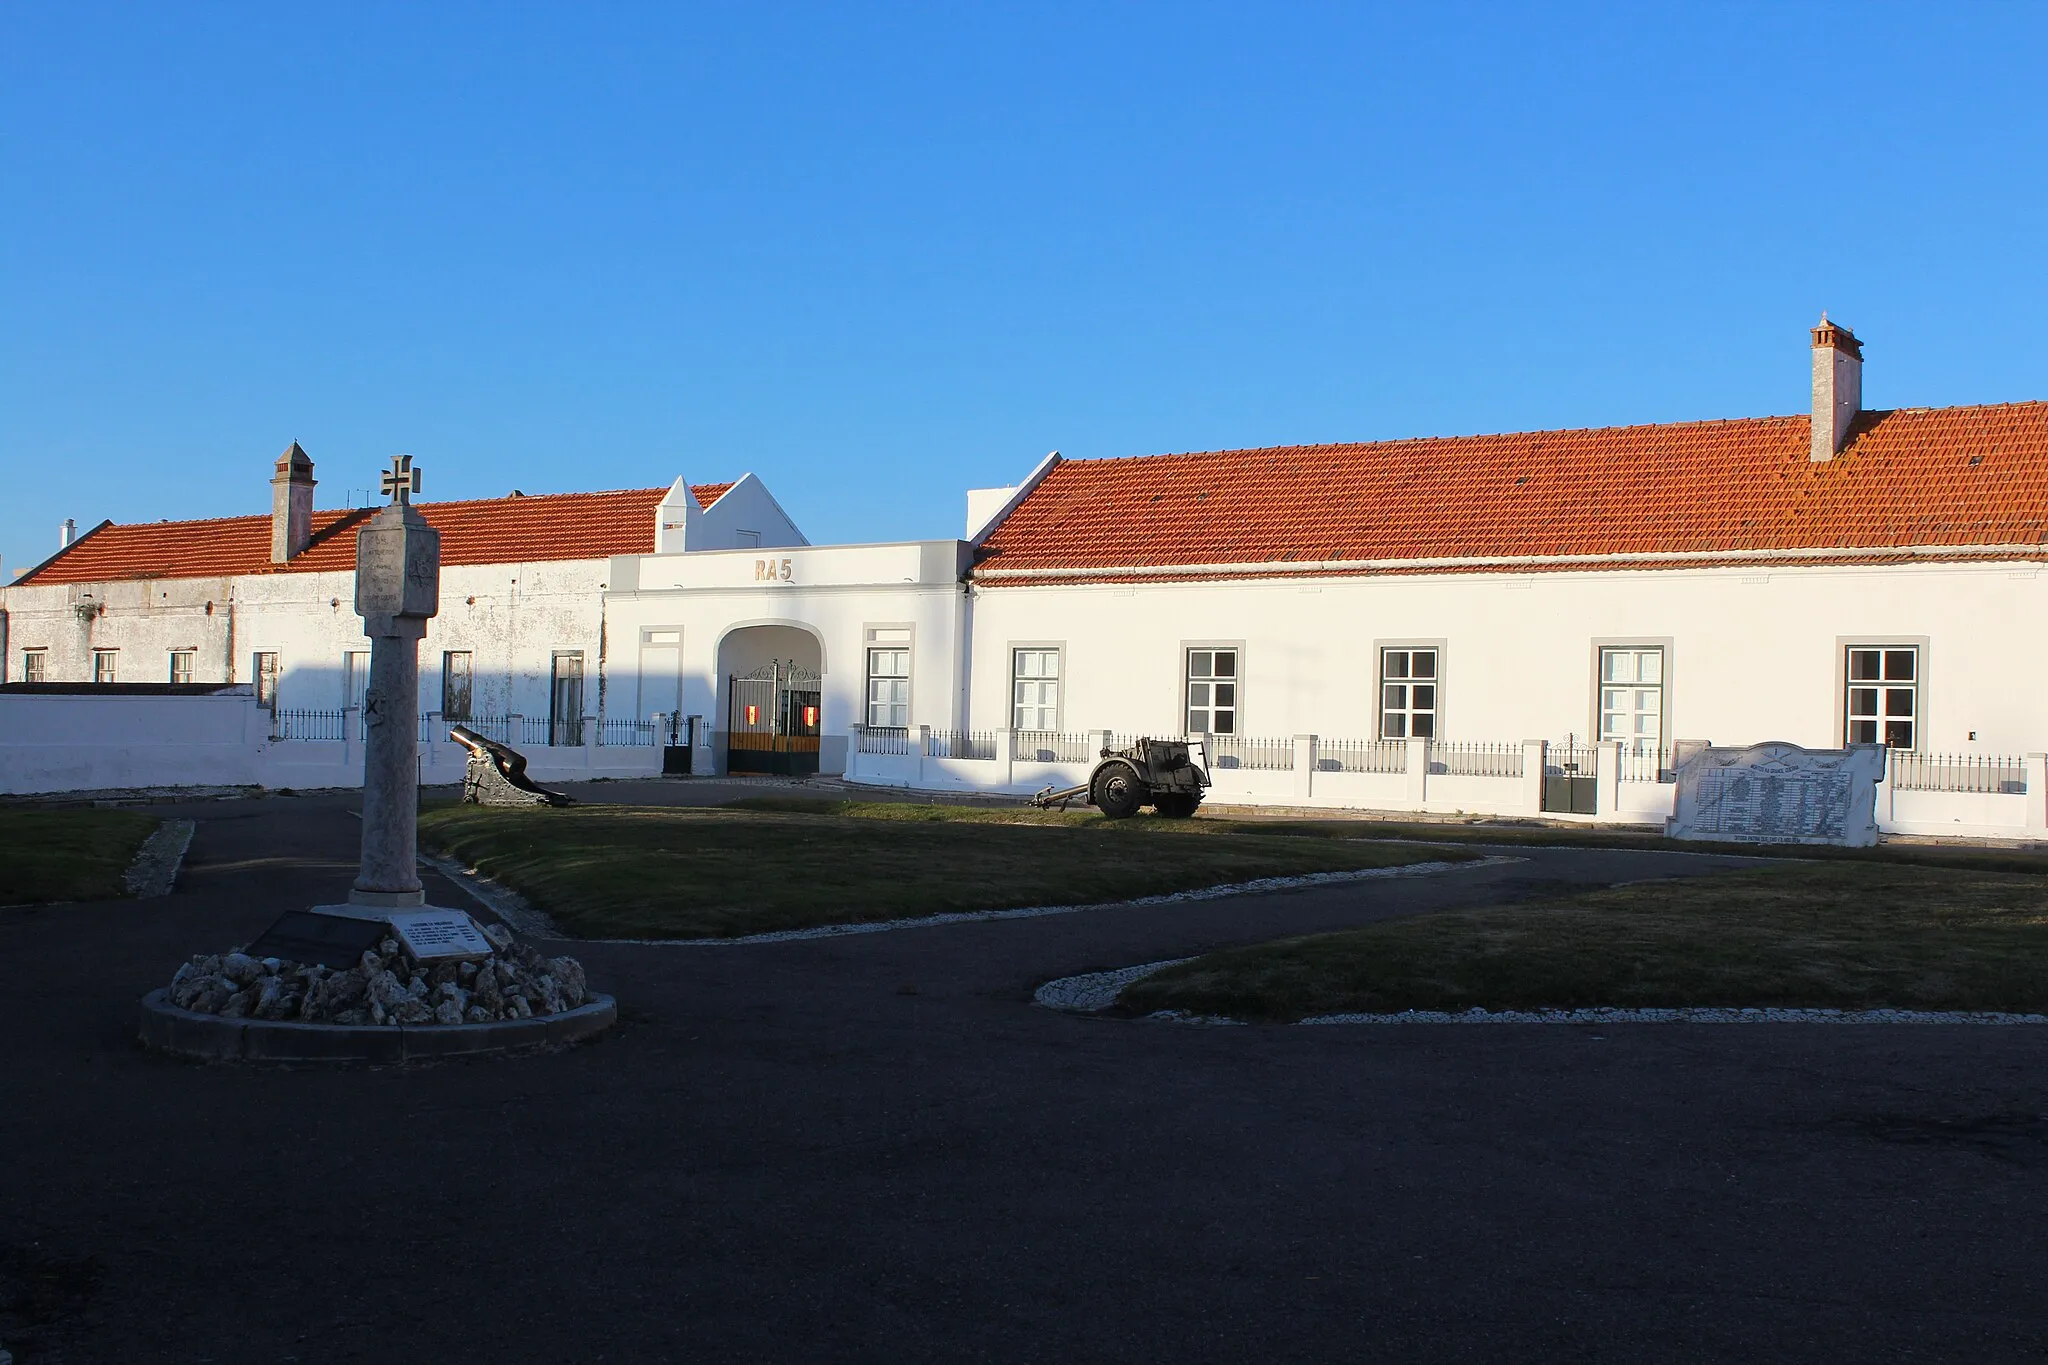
x=773, y=707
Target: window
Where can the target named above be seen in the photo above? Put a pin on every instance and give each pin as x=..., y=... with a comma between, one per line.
x=1212, y=691
x=33, y=665
x=1884, y=695
x=355, y=678
x=103, y=661
x=264, y=670
x=747, y=540
x=1408, y=683
x=888, y=689
x=1632, y=698
x=181, y=665
x=565, y=714
x=1035, y=689
x=455, y=684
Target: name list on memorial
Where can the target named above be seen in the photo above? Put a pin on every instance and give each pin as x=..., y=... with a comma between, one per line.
x=1779, y=794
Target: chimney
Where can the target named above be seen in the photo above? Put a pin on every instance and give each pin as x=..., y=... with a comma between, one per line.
x=1837, y=387
x=67, y=533
x=291, y=504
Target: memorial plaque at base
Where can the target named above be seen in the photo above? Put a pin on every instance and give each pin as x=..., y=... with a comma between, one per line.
x=306, y=936
x=1777, y=794
x=439, y=935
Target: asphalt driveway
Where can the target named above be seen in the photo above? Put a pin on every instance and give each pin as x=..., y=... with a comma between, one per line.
x=875, y=1148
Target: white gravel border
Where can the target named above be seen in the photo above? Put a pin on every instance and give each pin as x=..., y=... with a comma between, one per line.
x=1094, y=992
x=154, y=869
x=1689, y=1015
x=510, y=907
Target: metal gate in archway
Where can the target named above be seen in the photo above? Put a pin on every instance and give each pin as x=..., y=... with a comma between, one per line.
x=772, y=720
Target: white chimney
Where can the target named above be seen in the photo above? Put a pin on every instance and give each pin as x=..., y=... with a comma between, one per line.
x=677, y=519
x=1837, y=387
x=291, y=504
x=67, y=533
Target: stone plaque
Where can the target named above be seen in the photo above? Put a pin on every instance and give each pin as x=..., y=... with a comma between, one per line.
x=398, y=566
x=308, y=936
x=439, y=935
x=1778, y=794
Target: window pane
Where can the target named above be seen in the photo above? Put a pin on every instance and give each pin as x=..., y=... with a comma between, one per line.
x=1422, y=663
x=1862, y=701
x=1394, y=725
x=1863, y=732
x=1899, y=734
x=1898, y=701
x=1396, y=664
x=1863, y=665
x=1898, y=665
x=1394, y=696
x=1424, y=726
x=1198, y=694
x=1616, y=666
x=1200, y=664
x=1425, y=697
x=1226, y=694
x=1226, y=663
x=1225, y=723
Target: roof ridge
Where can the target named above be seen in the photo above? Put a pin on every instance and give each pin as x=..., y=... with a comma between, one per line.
x=1769, y=420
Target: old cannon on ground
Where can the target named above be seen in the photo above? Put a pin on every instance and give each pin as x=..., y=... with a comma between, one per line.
x=496, y=774
x=1161, y=773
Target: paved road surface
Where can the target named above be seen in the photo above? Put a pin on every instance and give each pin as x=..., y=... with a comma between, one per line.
x=874, y=1148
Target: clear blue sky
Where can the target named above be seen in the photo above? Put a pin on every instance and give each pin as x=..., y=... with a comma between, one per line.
x=879, y=256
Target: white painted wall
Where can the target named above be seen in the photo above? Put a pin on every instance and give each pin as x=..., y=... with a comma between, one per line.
x=1750, y=655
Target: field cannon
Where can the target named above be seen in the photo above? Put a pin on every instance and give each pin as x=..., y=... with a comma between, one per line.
x=496, y=774
x=1161, y=773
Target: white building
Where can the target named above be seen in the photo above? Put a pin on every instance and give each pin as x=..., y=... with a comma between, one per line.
x=1426, y=623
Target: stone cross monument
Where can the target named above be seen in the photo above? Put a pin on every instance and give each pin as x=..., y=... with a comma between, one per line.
x=398, y=589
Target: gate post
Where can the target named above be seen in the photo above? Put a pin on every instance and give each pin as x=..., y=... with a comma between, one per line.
x=1607, y=768
x=1304, y=766
x=1417, y=770
x=1006, y=758
x=1532, y=776
x=924, y=751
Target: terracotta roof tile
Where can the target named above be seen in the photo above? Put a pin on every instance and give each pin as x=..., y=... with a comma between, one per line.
x=484, y=531
x=1907, y=477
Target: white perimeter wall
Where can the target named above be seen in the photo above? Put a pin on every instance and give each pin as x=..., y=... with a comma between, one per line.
x=1749, y=656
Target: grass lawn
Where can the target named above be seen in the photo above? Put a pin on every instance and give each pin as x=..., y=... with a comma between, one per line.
x=67, y=855
x=1822, y=935
x=758, y=866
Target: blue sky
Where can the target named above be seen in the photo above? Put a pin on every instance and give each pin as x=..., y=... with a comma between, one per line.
x=881, y=255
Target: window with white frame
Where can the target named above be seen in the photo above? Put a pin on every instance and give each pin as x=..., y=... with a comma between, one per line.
x=1883, y=705
x=264, y=670
x=1408, y=693
x=1632, y=697
x=888, y=687
x=35, y=665
x=1212, y=683
x=458, y=682
x=105, y=665
x=181, y=665
x=1035, y=689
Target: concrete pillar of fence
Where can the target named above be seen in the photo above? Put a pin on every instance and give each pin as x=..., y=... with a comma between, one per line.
x=1607, y=772
x=924, y=751
x=1304, y=766
x=2037, y=794
x=1098, y=741
x=348, y=734
x=1006, y=757
x=1882, y=811
x=1417, y=789
x=1532, y=777
x=430, y=745
x=589, y=743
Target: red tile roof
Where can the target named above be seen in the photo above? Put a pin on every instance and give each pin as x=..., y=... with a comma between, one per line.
x=1671, y=495
x=506, y=530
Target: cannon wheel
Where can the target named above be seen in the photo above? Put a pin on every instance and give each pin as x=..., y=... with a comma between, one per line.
x=1176, y=805
x=1116, y=789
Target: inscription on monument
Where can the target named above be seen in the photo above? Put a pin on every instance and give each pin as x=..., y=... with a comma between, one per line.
x=1778, y=794
x=439, y=935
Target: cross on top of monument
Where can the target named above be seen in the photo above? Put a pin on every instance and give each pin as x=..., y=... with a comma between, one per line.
x=401, y=481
